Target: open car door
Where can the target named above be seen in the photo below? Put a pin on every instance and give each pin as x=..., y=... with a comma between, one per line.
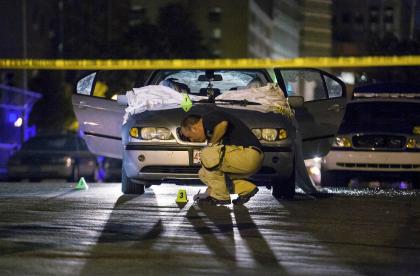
x=324, y=102
x=100, y=118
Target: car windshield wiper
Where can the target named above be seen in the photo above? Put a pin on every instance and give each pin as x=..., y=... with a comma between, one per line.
x=243, y=102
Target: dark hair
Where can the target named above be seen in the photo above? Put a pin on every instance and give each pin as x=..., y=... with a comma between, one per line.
x=190, y=120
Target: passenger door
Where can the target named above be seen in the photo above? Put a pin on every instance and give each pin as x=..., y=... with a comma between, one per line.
x=323, y=108
x=100, y=117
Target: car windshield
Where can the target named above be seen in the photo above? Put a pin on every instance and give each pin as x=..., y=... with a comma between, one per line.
x=382, y=113
x=56, y=143
x=223, y=80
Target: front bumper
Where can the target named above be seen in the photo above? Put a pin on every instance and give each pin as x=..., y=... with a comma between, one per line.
x=156, y=164
x=371, y=161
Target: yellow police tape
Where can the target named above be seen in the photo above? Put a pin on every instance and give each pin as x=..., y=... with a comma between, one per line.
x=146, y=64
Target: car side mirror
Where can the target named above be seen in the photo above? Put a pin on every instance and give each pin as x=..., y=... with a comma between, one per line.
x=295, y=101
x=122, y=100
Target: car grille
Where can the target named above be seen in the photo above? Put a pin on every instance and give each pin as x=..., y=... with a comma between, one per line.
x=190, y=169
x=392, y=142
x=379, y=166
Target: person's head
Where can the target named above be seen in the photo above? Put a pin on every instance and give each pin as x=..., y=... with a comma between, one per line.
x=192, y=128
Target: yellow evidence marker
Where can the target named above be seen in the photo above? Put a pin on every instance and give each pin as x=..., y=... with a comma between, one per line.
x=182, y=196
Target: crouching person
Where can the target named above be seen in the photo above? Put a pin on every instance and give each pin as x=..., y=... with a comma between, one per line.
x=232, y=155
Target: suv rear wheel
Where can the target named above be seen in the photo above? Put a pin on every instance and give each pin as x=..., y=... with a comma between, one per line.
x=128, y=186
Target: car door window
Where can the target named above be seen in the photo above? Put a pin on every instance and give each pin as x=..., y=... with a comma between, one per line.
x=334, y=88
x=308, y=84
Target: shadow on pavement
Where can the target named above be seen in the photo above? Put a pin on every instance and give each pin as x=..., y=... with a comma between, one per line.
x=128, y=234
x=214, y=224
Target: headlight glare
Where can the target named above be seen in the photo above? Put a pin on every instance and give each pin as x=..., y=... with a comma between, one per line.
x=411, y=143
x=416, y=130
x=343, y=142
x=269, y=134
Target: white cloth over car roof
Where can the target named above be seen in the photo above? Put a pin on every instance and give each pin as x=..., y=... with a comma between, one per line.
x=158, y=97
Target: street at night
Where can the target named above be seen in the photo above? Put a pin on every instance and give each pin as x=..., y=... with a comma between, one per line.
x=291, y=126
x=49, y=228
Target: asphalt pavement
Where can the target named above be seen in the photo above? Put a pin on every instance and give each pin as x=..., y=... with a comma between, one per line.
x=49, y=228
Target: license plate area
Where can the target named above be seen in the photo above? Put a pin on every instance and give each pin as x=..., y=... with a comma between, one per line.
x=196, y=157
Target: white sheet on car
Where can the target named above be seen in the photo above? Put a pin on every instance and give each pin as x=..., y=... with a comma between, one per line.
x=158, y=97
x=153, y=97
x=270, y=97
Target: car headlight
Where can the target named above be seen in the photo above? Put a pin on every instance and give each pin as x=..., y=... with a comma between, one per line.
x=163, y=133
x=342, y=142
x=411, y=143
x=257, y=133
x=148, y=133
x=160, y=133
x=269, y=134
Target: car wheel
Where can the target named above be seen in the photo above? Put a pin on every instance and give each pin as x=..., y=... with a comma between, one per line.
x=74, y=177
x=416, y=181
x=128, y=186
x=94, y=177
x=284, y=188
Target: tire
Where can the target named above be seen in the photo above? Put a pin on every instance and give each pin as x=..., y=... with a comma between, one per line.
x=94, y=177
x=284, y=188
x=74, y=177
x=128, y=186
x=416, y=181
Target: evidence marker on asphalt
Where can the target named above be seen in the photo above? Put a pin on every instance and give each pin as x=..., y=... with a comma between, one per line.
x=182, y=196
x=82, y=185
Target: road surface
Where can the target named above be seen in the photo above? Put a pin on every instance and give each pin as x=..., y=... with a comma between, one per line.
x=49, y=228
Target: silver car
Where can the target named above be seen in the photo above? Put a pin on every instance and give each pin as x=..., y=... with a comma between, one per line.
x=153, y=151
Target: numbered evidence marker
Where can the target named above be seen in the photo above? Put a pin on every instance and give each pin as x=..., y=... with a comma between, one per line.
x=182, y=196
x=186, y=102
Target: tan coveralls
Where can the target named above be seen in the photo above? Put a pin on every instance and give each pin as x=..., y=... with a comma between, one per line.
x=239, y=163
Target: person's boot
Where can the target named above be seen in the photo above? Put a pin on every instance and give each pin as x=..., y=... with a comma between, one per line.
x=242, y=199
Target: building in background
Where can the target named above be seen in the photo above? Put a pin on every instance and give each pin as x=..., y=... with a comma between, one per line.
x=237, y=28
x=287, y=23
x=357, y=27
